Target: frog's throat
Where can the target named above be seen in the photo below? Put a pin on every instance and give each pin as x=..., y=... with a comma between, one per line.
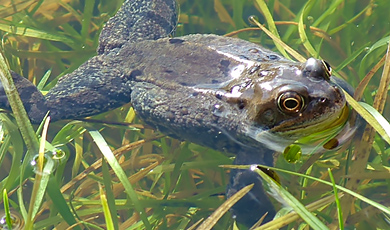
x=279, y=140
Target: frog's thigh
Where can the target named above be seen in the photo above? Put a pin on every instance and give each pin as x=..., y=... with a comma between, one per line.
x=149, y=100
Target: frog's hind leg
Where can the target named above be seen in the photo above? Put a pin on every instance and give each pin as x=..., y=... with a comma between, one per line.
x=101, y=83
x=138, y=20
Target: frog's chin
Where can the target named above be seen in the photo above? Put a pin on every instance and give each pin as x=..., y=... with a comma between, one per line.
x=270, y=140
x=310, y=137
x=278, y=143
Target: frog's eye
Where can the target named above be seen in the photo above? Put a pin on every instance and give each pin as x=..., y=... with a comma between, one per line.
x=290, y=102
x=327, y=67
x=317, y=69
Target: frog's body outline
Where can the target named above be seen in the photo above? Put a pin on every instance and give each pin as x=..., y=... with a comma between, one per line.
x=238, y=101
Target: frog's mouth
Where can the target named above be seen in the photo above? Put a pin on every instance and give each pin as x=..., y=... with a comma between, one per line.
x=310, y=136
x=312, y=125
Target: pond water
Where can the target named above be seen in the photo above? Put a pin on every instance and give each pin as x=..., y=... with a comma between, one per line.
x=176, y=183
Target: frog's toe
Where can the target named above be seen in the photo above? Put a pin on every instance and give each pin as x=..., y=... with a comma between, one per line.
x=32, y=99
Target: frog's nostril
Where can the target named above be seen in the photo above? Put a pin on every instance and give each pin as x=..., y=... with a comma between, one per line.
x=323, y=100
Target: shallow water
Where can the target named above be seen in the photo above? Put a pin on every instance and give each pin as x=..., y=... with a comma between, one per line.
x=186, y=184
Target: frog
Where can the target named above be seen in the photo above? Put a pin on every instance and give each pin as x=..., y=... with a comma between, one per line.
x=221, y=92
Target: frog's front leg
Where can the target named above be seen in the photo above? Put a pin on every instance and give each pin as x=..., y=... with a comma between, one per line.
x=184, y=113
x=249, y=209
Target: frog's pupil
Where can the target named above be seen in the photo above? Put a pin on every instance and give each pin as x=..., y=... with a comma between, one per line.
x=291, y=104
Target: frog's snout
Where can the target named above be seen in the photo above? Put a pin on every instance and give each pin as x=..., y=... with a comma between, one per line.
x=334, y=98
x=338, y=95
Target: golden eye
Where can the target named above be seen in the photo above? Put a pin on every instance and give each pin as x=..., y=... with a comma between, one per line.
x=328, y=68
x=290, y=102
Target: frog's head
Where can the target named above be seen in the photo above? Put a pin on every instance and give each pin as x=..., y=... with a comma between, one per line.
x=293, y=101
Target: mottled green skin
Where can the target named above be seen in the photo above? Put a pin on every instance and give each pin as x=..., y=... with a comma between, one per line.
x=212, y=90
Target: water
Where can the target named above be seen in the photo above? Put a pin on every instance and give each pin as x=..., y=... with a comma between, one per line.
x=168, y=198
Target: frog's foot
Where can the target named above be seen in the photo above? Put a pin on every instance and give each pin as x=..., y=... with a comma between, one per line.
x=255, y=204
x=33, y=100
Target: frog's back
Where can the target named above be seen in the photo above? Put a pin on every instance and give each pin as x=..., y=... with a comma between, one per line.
x=192, y=60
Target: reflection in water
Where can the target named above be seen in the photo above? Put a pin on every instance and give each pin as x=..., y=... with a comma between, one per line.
x=50, y=162
x=17, y=221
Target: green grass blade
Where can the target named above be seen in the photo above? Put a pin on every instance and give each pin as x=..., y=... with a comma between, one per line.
x=110, y=198
x=302, y=32
x=39, y=189
x=290, y=217
x=106, y=210
x=351, y=58
x=106, y=151
x=345, y=24
x=86, y=22
x=54, y=192
x=16, y=7
x=17, y=107
x=383, y=123
x=78, y=144
x=8, y=219
x=16, y=141
x=25, y=127
x=34, y=33
x=381, y=44
x=350, y=192
x=43, y=168
x=339, y=212
x=277, y=40
x=222, y=209
x=328, y=13
x=368, y=116
x=44, y=79
x=271, y=24
x=307, y=216
x=68, y=133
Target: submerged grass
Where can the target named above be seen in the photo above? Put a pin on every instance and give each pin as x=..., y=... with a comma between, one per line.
x=162, y=183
